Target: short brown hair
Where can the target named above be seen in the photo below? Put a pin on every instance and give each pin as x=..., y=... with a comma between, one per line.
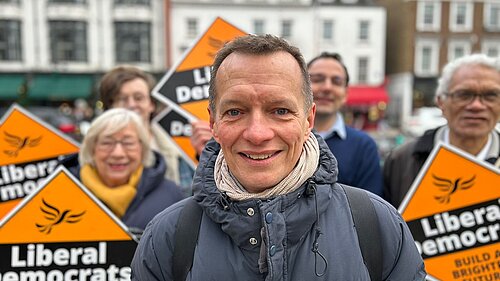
x=112, y=81
x=260, y=45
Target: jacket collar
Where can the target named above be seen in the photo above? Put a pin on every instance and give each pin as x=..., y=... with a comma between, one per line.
x=425, y=143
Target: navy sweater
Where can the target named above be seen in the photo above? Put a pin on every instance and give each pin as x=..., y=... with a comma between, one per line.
x=358, y=160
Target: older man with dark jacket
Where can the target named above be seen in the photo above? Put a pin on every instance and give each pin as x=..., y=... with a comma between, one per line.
x=468, y=93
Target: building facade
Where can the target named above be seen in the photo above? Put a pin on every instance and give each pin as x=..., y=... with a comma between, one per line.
x=423, y=35
x=353, y=28
x=56, y=50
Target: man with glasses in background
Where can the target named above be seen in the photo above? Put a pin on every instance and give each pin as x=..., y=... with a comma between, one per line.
x=355, y=151
x=468, y=93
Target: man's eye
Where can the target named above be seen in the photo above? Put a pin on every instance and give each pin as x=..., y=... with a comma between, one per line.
x=282, y=111
x=317, y=78
x=491, y=96
x=233, y=112
x=464, y=95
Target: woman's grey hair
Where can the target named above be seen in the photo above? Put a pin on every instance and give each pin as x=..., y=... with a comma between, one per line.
x=450, y=69
x=260, y=45
x=109, y=123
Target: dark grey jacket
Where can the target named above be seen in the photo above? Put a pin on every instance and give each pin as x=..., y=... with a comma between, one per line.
x=225, y=250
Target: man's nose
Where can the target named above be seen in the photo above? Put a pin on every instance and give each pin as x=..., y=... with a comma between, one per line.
x=477, y=102
x=259, y=129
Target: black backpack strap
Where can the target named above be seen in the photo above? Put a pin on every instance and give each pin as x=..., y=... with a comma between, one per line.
x=185, y=238
x=367, y=226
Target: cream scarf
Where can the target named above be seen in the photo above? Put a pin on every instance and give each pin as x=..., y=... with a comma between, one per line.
x=116, y=198
x=305, y=168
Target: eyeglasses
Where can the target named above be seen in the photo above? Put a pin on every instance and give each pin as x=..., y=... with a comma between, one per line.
x=317, y=78
x=108, y=145
x=466, y=97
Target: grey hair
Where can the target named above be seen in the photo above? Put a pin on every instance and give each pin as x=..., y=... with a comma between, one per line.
x=110, y=122
x=452, y=66
x=260, y=45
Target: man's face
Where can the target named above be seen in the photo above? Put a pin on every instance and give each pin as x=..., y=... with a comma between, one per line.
x=260, y=121
x=477, y=118
x=328, y=82
x=134, y=95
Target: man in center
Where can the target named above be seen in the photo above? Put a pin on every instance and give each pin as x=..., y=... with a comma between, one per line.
x=272, y=209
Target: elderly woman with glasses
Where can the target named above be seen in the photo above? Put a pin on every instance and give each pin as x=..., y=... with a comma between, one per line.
x=116, y=164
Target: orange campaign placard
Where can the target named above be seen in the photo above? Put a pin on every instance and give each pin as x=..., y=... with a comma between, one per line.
x=184, y=89
x=61, y=231
x=29, y=152
x=453, y=212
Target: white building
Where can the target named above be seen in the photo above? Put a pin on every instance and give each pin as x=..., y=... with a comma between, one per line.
x=351, y=28
x=56, y=50
x=81, y=35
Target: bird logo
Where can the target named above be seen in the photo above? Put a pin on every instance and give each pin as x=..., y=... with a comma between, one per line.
x=56, y=217
x=451, y=186
x=19, y=143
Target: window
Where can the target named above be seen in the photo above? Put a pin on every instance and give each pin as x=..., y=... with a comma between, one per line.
x=182, y=49
x=493, y=52
x=492, y=16
x=328, y=30
x=428, y=16
x=138, y=2
x=132, y=41
x=364, y=30
x=461, y=16
x=457, y=49
x=426, y=57
x=491, y=48
x=258, y=27
x=286, y=29
x=362, y=70
x=192, y=28
x=458, y=52
x=10, y=40
x=68, y=41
